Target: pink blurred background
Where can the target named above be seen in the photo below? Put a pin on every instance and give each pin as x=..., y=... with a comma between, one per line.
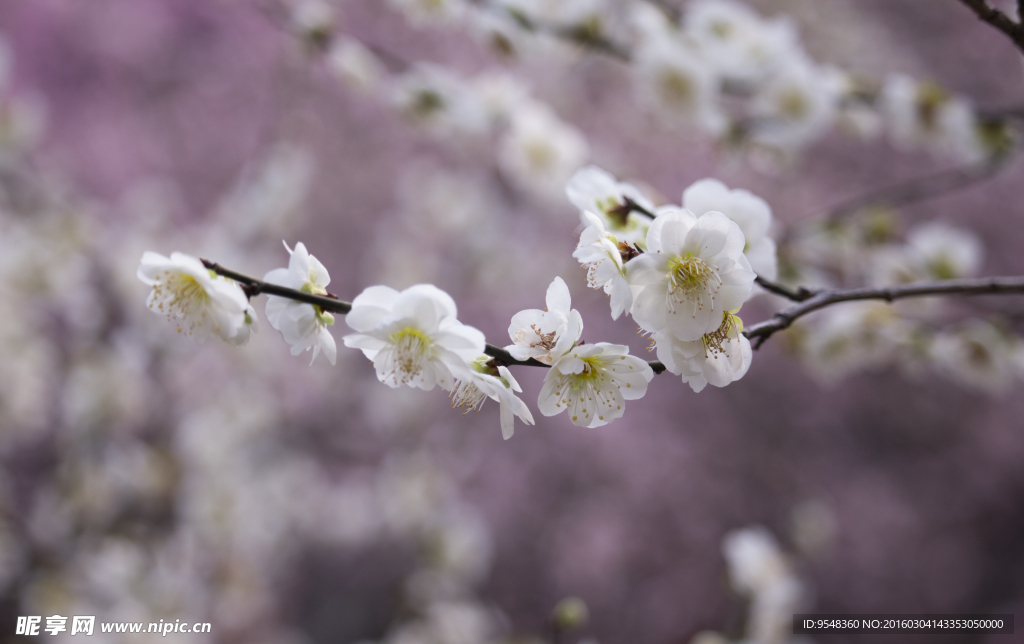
x=924, y=479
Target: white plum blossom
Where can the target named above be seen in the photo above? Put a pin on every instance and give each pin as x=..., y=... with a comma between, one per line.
x=981, y=356
x=934, y=250
x=425, y=12
x=413, y=336
x=540, y=151
x=754, y=558
x=796, y=105
x=854, y=337
x=680, y=84
x=355, y=65
x=313, y=19
x=718, y=358
x=202, y=302
x=500, y=94
x=438, y=100
x=564, y=13
x=593, y=382
x=599, y=252
x=483, y=381
x=546, y=335
x=594, y=190
x=946, y=252
x=758, y=569
x=303, y=326
x=693, y=271
x=736, y=42
x=751, y=213
x=924, y=115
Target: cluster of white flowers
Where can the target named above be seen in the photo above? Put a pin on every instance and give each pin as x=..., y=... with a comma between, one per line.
x=682, y=275
x=869, y=336
x=172, y=478
x=535, y=148
x=722, y=49
x=414, y=339
x=723, y=68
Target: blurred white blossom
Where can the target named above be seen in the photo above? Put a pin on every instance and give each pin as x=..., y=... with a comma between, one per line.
x=539, y=151
x=200, y=301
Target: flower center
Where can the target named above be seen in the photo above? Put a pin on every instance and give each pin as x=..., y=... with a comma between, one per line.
x=310, y=285
x=467, y=396
x=592, y=387
x=677, y=89
x=592, y=374
x=545, y=341
x=930, y=100
x=323, y=318
x=188, y=291
x=691, y=278
x=410, y=348
x=793, y=104
x=715, y=342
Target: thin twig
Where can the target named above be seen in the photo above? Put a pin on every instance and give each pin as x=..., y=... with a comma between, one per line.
x=982, y=286
x=798, y=294
x=253, y=287
x=632, y=206
x=999, y=20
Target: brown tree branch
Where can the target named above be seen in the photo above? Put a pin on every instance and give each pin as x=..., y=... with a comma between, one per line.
x=982, y=286
x=808, y=301
x=1013, y=30
x=798, y=294
x=253, y=287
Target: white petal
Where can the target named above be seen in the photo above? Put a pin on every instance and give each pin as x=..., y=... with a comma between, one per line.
x=706, y=195
x=380, y=296
x=557, y=298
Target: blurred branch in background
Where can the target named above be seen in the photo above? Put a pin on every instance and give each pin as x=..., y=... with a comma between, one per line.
x=999, y=20
x=921, y=188
x=984, y=286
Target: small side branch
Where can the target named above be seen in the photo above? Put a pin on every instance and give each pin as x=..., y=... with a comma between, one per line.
x=986, y=13
x=798, y=294
x=505, y=357
x=253, y=287
x=783, y=319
